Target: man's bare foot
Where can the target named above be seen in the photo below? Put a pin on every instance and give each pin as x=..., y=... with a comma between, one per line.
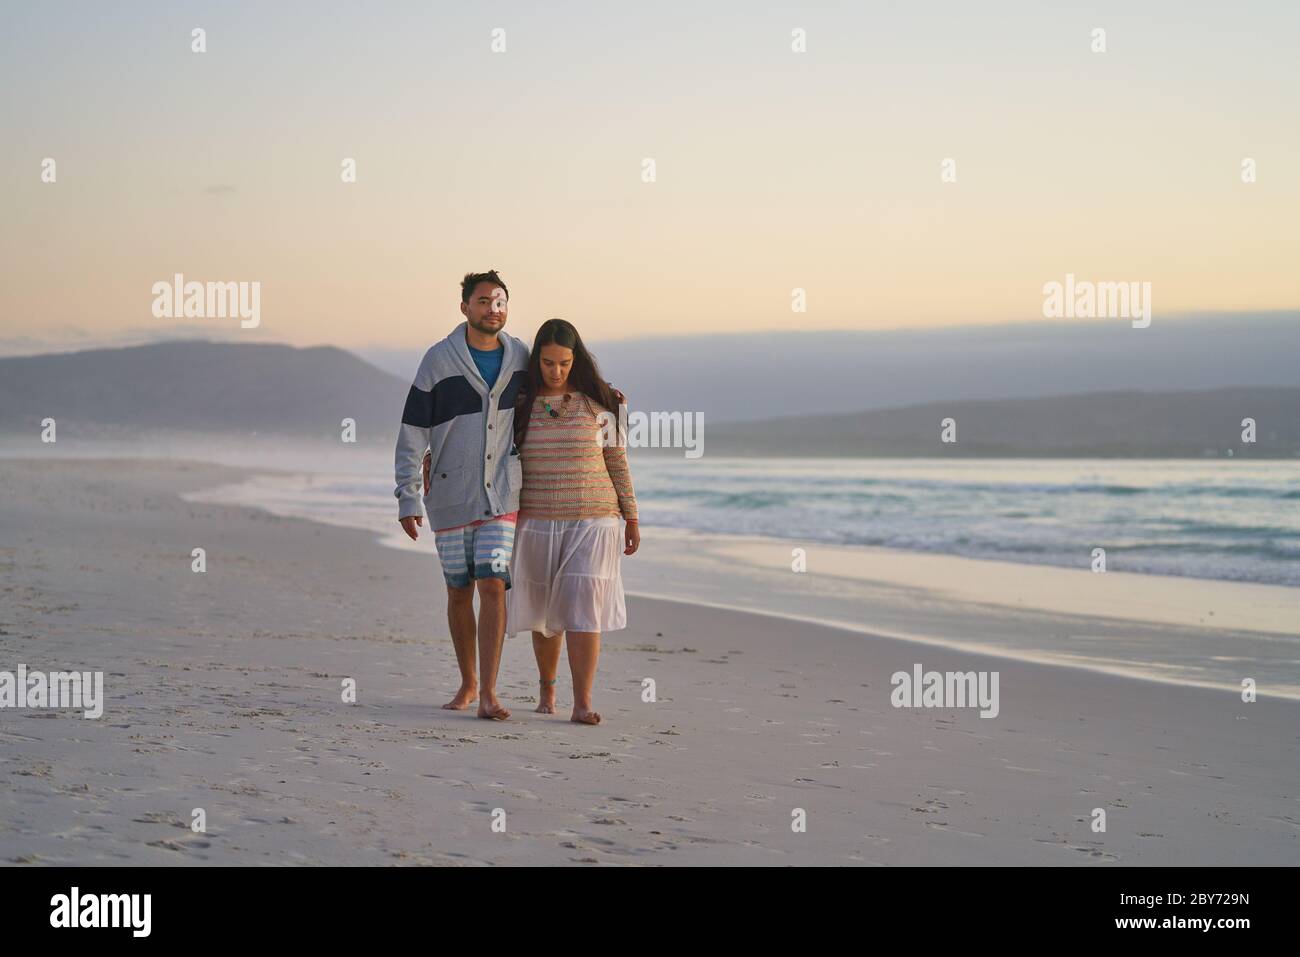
x=585, y=716
x=491, y=709
x=546, y=698
x=465, y=697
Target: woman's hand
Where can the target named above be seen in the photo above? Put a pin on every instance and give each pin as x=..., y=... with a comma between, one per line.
x=631, y=537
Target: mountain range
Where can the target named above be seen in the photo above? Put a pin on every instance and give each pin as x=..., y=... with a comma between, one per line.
x=270, y=390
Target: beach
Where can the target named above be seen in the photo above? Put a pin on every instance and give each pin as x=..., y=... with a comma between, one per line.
x=223, y=692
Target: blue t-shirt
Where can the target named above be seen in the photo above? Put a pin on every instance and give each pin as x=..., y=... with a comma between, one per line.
x=488, y=362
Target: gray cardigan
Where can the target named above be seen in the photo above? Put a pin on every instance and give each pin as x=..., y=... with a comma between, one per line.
x=469, y=428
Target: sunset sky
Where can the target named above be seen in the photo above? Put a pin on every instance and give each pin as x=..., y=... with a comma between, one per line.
x=775, y=169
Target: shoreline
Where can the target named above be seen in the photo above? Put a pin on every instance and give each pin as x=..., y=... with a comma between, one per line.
x=987, y=651
x=931, y=598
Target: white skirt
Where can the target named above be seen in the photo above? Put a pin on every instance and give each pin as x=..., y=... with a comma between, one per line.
x=565, y=576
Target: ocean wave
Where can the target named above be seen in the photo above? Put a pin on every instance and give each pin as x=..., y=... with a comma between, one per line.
x=1166, y=518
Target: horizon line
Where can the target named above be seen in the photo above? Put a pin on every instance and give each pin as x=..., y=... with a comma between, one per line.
x=109, y=344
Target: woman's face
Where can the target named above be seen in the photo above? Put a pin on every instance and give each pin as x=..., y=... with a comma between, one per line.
x=556, y=363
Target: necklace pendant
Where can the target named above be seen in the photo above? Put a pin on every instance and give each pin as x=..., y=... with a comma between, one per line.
x=551, y=411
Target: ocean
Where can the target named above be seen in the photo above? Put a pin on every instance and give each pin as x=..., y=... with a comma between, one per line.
x=1236, y=521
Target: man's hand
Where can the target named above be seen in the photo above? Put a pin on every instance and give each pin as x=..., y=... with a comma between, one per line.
x=631, y=537
x=428, y=460
x=409, y=523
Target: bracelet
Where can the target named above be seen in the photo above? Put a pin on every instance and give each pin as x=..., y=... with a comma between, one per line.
x=630, y=521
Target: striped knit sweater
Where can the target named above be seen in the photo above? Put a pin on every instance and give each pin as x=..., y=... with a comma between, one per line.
x=568, y=474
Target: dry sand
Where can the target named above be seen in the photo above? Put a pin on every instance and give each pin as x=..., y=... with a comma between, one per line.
x=223, y=693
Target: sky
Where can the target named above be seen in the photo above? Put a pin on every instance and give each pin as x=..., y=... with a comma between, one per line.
x=775, y=170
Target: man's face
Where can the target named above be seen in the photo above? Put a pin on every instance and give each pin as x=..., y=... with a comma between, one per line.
x=487, y=308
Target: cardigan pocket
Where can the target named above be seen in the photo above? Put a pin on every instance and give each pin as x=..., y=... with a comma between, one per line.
x=449, y=486
x=515, y=474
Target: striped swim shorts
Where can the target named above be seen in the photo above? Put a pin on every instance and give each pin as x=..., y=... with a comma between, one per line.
x=481, y=549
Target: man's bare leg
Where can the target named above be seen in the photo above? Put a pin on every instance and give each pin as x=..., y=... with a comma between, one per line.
x=584, y=652
x=460, y=619
x=547, y=652
x=491, y=636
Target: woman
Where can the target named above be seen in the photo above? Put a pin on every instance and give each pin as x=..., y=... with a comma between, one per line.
x=576, y=486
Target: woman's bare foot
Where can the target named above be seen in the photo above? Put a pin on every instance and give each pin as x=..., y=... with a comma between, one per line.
x=465, y=697
x=546, y=698
x=490, y=708
x=585, y=716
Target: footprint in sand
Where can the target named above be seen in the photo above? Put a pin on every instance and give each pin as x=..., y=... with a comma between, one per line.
x=1095, y=852
x=187, y=847
x=945, y=789
x=943, y=826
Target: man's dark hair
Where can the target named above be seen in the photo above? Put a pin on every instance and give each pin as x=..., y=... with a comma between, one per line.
x=472, y=279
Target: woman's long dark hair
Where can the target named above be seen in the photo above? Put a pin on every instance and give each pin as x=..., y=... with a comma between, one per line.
x=583, y=374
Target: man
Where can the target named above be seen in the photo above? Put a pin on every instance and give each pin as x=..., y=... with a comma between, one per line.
x=460, y=410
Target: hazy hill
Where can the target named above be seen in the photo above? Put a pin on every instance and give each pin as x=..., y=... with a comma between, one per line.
x=1125, y=424
x=200, y=386
x=275, y=390
x=735, y=377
